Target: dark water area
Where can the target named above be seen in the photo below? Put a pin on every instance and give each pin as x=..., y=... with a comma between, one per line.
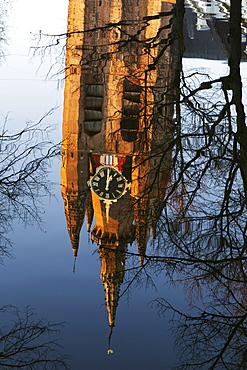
x=127, y=300
x=41, y=276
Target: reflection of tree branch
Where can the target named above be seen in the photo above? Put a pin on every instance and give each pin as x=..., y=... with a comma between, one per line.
x=206, y=339
x=25, y=344
x=236, y=85
x=25, y=158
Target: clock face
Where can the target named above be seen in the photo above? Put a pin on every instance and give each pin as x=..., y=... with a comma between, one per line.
x=108, y=183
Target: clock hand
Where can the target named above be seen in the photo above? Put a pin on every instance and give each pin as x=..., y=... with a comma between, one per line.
x=108, y=179
x=108, y=182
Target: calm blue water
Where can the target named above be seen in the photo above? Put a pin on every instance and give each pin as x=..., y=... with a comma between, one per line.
x=41, y=276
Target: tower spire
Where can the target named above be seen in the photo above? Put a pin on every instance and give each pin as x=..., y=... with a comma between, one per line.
x=89, y=212
x=74, y=205
x=112, y=275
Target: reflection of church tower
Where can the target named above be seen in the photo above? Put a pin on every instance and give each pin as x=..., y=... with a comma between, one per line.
x=116, y=127
x=112, y=276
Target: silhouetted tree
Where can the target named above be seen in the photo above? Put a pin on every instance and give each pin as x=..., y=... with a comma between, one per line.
x=25, y=158
x=25, y=342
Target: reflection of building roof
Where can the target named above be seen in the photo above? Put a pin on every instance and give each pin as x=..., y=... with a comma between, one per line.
x=208, y=43
x=200, y=43
x=220, y=30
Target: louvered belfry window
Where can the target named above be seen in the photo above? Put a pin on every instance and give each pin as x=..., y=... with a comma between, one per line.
x=93, y=108
x=130, y=110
